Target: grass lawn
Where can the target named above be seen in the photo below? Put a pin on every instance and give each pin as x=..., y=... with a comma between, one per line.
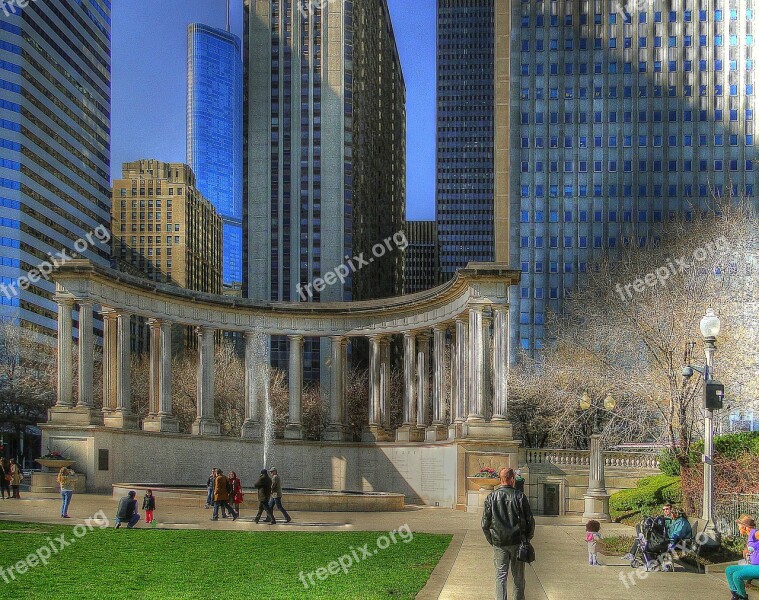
x=155, y=563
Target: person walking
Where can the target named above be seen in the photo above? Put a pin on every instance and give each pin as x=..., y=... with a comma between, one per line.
x=16, y=477
x=235, y=491
x=738, y=575
x=148, y=505
x=127, y=511
x=5, y=478
x=507, y=521
x=65, y=480
x=209, y=486
x=519, y=482
x=221, y=497
x=276, y=494
x=592, y=535
x=263, y=485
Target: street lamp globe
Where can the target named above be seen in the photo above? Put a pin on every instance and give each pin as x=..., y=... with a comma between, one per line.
x=585, y=401
x=710, y=324
x=609, y=402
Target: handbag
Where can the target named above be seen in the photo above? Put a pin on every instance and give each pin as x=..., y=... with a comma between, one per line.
x=526, y=552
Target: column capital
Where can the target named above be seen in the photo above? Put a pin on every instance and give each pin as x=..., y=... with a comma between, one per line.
x=462, y=317
x=295, y=337
x=65, y=300
x=423, y=336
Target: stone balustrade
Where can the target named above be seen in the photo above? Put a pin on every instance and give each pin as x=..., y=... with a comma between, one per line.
x=581, y=458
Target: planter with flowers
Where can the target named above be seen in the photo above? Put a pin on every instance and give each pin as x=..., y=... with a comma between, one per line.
x=54, y=461
x=484, y=479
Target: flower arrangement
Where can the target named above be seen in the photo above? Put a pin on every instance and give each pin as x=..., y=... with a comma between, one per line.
x=54, y=455
x=486, y=473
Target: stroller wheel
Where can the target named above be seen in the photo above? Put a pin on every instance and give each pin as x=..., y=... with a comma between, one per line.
x=652, y=565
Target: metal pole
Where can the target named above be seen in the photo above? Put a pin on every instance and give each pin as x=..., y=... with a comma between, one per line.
x=711, y=534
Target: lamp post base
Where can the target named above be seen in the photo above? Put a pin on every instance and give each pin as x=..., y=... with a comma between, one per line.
x=709, y=537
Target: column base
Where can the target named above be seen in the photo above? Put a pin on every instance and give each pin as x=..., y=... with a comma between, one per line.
x=409, y=433
x=375, y=433
x=597, y=507
x=481, y=430
x=74, y=415
x=336, y=433
x=120, y=419
x=295, y=431
x=710, y=537
x=161, y=424
x=206, y=427
x=251, y=430
x=455, y=430
x=436, y=433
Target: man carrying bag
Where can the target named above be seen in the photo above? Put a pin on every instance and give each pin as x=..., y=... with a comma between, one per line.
x=508, y=523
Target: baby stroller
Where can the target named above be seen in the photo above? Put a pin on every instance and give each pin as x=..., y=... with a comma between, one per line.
x=650, y=547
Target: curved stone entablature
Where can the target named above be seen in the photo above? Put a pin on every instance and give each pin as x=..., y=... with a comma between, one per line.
x=480, y=283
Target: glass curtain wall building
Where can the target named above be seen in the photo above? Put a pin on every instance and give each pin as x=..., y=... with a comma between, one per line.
x=55, y=110
x=214, y=131
x=621, y=121
x=325, y=153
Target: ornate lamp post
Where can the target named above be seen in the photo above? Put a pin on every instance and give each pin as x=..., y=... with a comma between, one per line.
x=596, y=496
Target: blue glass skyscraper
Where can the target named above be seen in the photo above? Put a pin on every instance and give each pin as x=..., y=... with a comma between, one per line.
x=214, y=131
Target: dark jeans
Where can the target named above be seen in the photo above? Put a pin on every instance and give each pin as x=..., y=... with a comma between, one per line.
x=209, y=498
x=5, y=487
x=263, y=505
x=278, y=502
x=132, y=521
x=16, y=488
x=224, y=507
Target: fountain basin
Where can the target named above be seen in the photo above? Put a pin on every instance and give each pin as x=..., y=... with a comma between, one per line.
x=295, y=499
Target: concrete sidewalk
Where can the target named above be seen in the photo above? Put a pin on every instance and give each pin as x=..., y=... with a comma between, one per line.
x=466, y=571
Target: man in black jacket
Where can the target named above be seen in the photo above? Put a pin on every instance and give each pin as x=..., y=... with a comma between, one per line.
x=263, y=485
x=506, y=521
x=127, y=511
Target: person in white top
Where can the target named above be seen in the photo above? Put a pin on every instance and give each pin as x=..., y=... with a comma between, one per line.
x=66, y=481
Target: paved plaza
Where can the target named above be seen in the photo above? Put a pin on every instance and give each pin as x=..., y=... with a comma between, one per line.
x=465, y=571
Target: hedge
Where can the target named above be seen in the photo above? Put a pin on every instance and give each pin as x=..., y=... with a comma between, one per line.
x=651, y=493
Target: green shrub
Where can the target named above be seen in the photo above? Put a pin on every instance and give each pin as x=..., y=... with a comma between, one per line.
x=668, y=463
x=731, y=445
x=650, y=494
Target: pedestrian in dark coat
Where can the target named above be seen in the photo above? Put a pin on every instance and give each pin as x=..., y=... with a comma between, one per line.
x=263, y=485
x=221, y=497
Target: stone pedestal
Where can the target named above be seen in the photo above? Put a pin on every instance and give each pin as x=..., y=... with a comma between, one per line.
x=78, y=415
x=161, y=424
x=206, y=427
x=374, y=433
x=481, y=430
x=251, y=430
x=409, y=433
x=47, y=483
x=120, y=419
x=295, y=431
x=597, y=507
x=596, y=498
x=436, y=433
x=336, y=433
x=455, y=431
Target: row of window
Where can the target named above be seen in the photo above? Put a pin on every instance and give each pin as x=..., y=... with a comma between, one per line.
x=672, y=42
x=643, y=141
x=612, y=67
x=626, y=17
x=611, y=92
x=526, y=118
x=656, y=166
x=582, y=216
x=583, y=191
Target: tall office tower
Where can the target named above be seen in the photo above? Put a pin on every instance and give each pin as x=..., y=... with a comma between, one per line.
x=214, y=131
x=622, y=122
x=165, y=228
x=55, y=103
x=325, y=151
x=421, y=262
x=472, y=132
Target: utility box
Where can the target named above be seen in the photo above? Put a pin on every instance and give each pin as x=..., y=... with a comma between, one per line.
x=714, y=393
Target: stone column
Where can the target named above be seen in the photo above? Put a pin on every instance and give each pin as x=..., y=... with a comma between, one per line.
x=110, y=342
x=462, y=376
x=438, y=430
x=384, y=375
x=423, y=381
x=374, y=431
x=161, y=417
x=487, y=368
x=121, y=416
x=500, y=362
x=336, y=431
x=206, y=424
x=294, y=429
x=596, y=497
x=256, y=382
x=86, y=359
x=408, y=432
x=454, y=366
x=476, y=365
x=65, y=353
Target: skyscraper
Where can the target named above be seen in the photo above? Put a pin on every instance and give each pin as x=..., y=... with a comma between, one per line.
x=214, y=131
x=325, y=150
x=472, y=110
x=421, y=262
x=55, y=102
x=624, y=116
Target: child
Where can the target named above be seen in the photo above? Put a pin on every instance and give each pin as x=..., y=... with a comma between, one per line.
x=592, y=535
x=148, y=505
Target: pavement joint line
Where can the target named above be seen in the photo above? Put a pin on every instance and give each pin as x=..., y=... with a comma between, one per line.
x=442, y=571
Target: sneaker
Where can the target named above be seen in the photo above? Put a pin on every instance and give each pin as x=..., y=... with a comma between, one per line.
x=288, y=520
x=65, y=517
x=118, y=525
x=214, y=518
x=235, y=518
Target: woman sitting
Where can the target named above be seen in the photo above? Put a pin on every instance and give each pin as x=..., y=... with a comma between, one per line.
x=680, y=529
x=738, y=575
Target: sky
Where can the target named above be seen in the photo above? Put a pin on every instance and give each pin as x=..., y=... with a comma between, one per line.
x=149, y=74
